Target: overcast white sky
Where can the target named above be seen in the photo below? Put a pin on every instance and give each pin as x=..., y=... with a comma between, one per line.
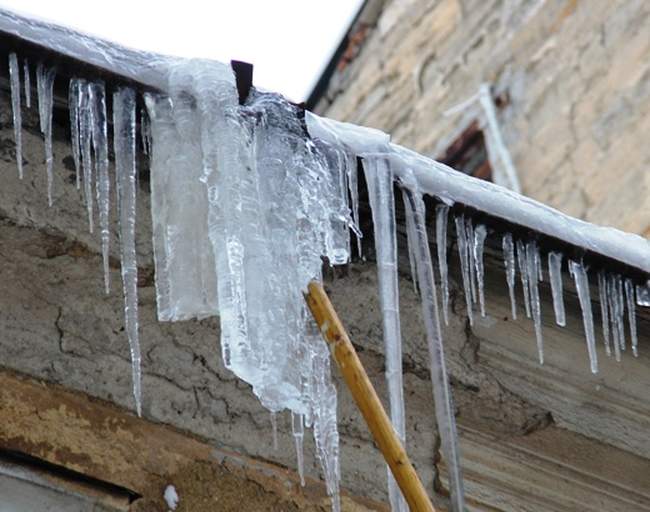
x=288, y=41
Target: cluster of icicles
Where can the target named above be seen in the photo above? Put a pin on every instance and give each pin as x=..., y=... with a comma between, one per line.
x=245, y=204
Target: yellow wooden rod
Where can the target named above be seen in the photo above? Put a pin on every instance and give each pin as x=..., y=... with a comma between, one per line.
x=365, y=396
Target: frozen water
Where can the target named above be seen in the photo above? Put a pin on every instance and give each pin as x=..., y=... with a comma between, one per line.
x=379, y=180
x=463, y=253
x=186, y=282
x=442, y=217
x=273, y=204
x=441, y=389
x=604, y=309
x=511, y=269
x=579, y=273
x=410, y=226
x=469, y=236
x=353, y=184
x=532, y=266
x=631, y=313
x=617, y=312
x=523, y=272
x=480, y=232
x=14, y=79
x=643, y=295
x=298, y=430
x=124, y=141
x=74, y=104
x=615, y=322
x=555, y=277
x=44, y=87
x=86, y=145
x=28, y=84
x=97, y=93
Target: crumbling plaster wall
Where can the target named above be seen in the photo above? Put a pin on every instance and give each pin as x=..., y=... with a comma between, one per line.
x=576, y=75
x=57, y=324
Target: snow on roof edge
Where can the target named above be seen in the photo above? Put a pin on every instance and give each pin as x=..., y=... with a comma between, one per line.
x=453, y=186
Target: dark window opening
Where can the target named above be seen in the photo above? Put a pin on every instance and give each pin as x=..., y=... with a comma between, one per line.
x=468, y=154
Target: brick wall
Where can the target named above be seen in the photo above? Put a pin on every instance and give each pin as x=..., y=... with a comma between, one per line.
x=576, y=74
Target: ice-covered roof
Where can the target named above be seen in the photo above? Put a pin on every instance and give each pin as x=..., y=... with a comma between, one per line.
x=148, y=70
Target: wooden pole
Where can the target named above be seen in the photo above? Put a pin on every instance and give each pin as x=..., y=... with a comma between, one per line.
x=366, y=398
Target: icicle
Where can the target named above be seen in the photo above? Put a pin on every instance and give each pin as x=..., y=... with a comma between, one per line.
x=618, y=309
x=379, y=179
x=631, y=314
x=144, y=131
x=555, y=277
x=74, y=104
x=509, y=261
x=86, y=144
x=100, y=145
x=298, y=429
x=44, y=86
x=124, y=141
x=323, y=408
x=442, y=216
x=28, y=84
x=274, y=429
x=523, y=271
x=532, y=260
x=463, y=253
x=604, y=309
x=441, y=390
x=538, y=263
x=577, y=270
x=410, y=226
x=643, y=295
x=353, y=184
x=615, y=323
x=469, y=230
x=480, y=232
x=14, y=78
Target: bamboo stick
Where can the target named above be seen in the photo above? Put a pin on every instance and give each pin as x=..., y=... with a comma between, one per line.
x=366, y=398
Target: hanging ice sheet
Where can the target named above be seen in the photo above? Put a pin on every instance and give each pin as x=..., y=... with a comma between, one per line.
x=271, y=203
x=186, y=282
